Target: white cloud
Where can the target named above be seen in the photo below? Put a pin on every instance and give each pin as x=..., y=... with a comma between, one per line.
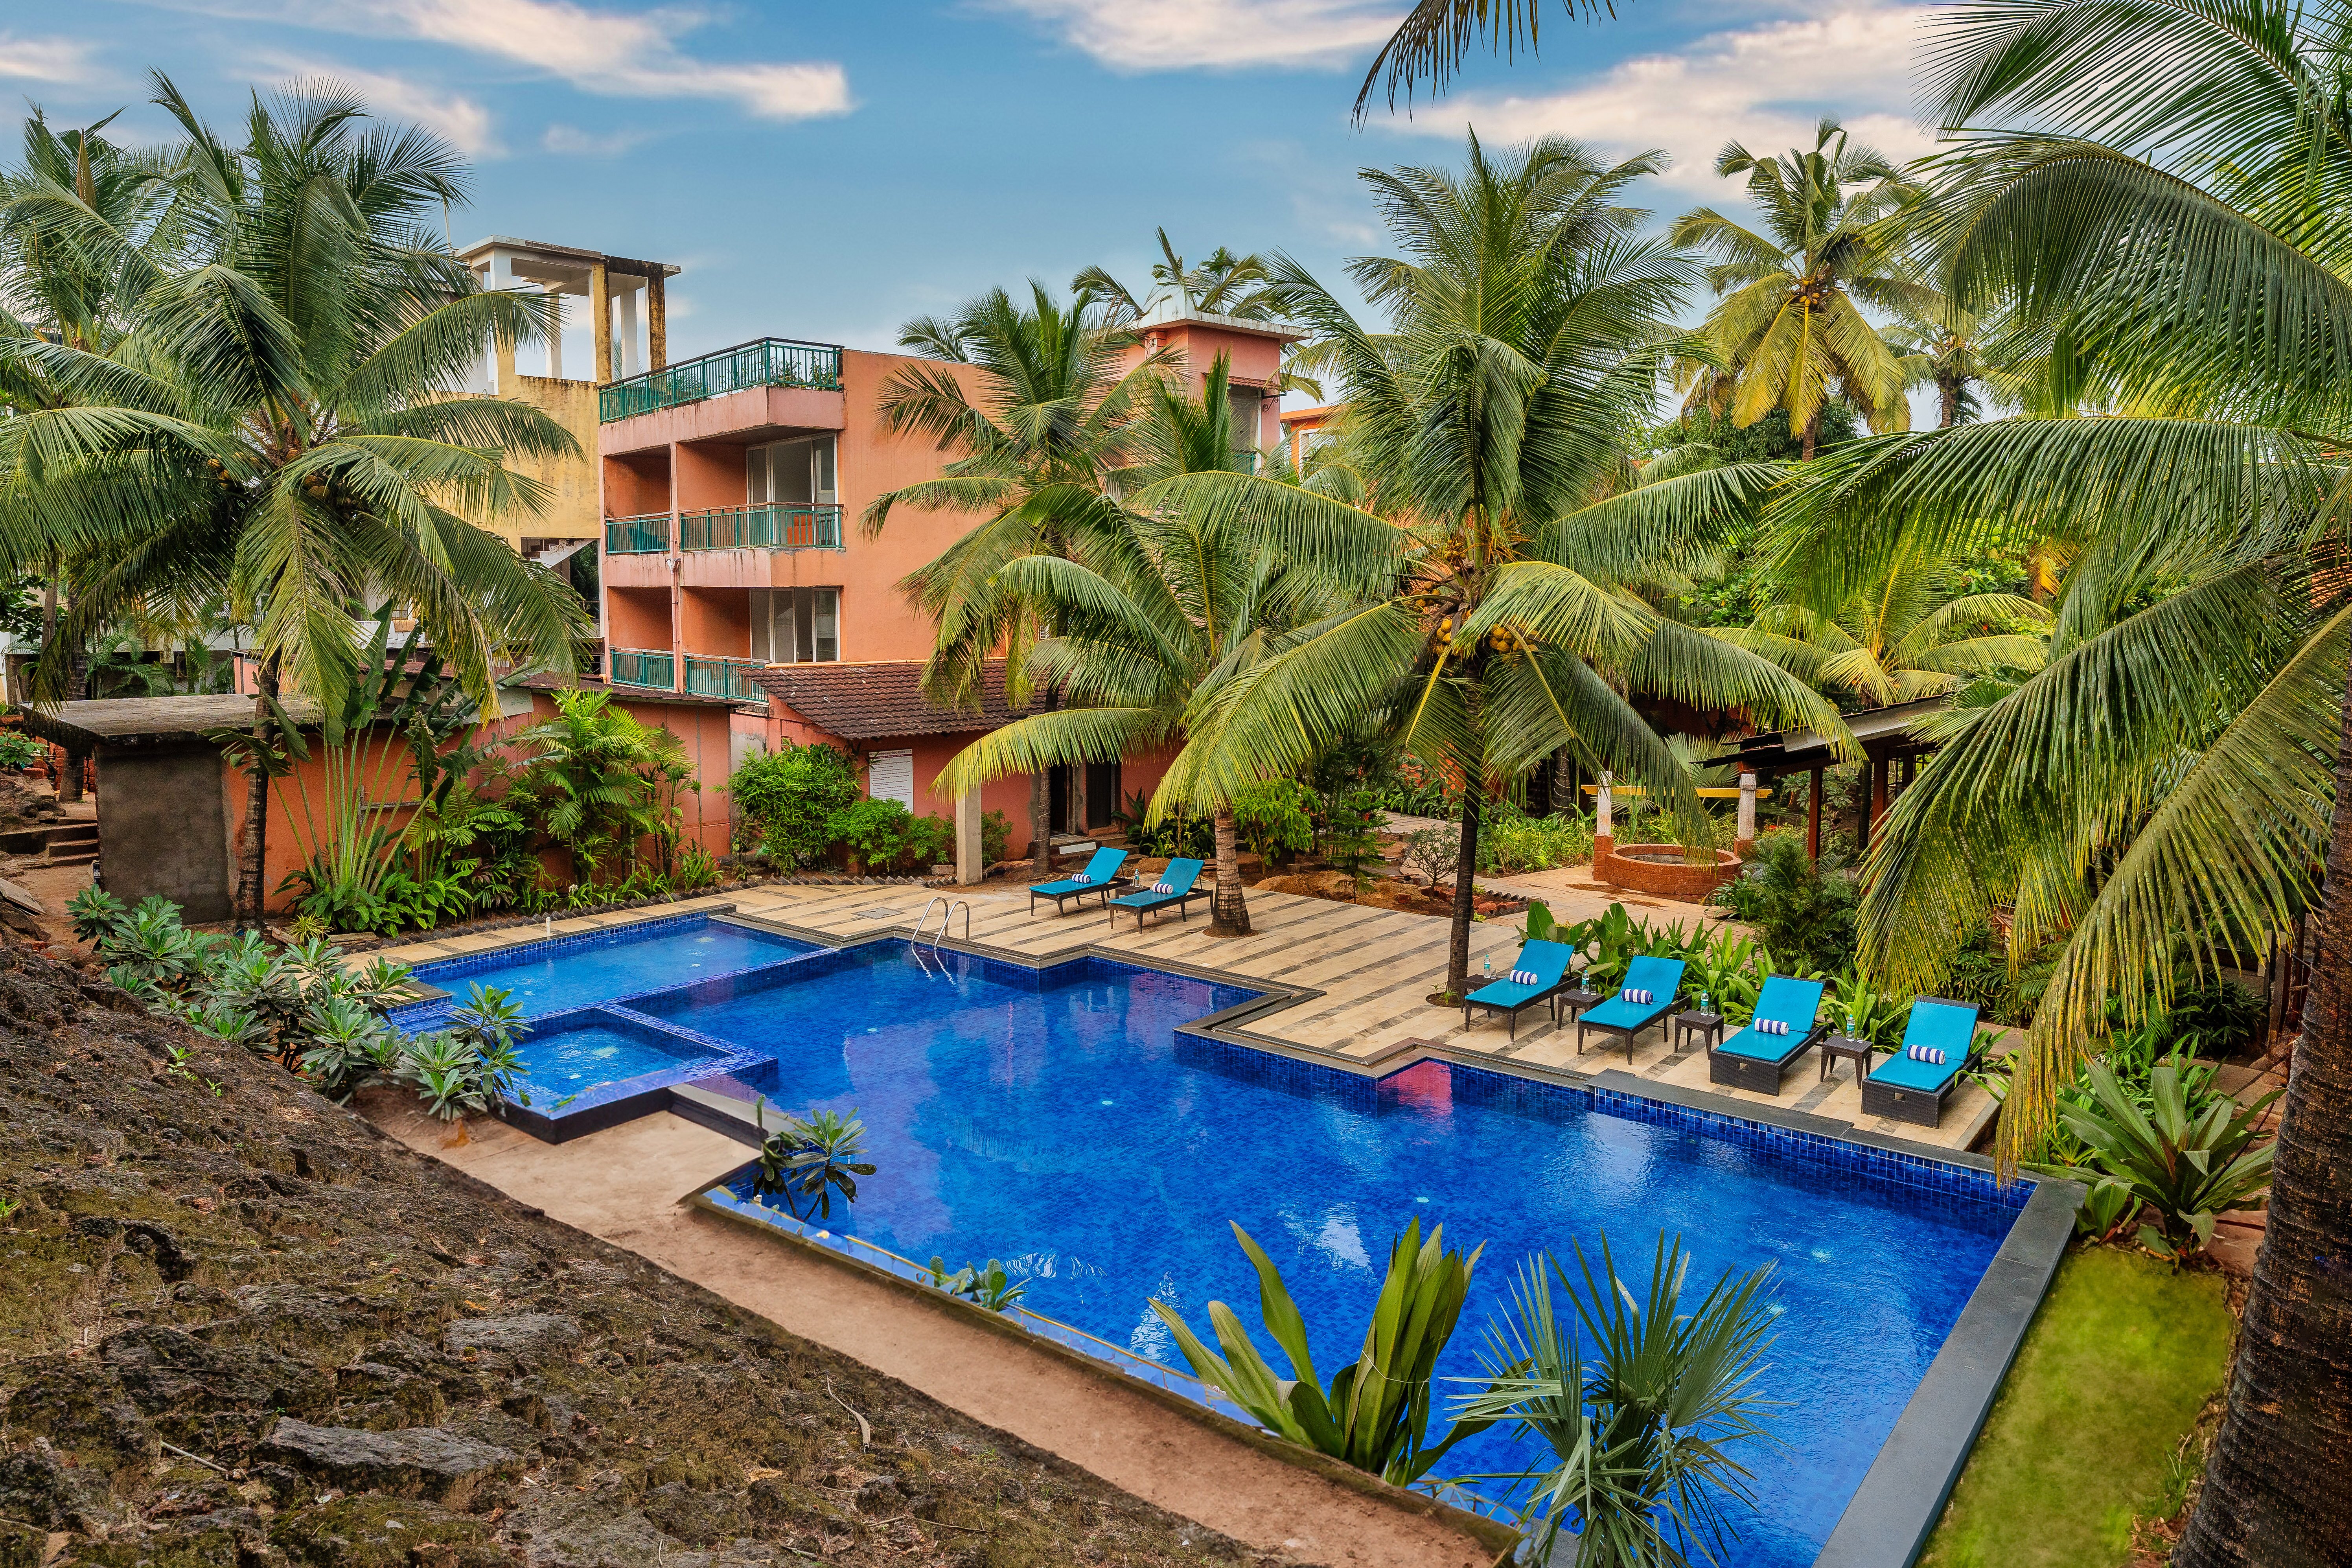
x=44, y=60
x=1177, y=35
x=1765, y=87
x=622, y=54
x=460, y=120
x=561, y=138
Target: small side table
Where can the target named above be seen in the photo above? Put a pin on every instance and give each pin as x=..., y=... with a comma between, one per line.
x=1574, y=1002
x=1859, y=1052
x=1709, y=1026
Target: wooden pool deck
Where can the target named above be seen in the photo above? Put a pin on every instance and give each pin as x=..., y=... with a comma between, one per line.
x=1373, y=968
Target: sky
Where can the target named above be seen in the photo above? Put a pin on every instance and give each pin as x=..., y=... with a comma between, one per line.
x=827, y=171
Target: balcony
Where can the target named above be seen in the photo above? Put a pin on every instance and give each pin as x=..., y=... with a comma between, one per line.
x=762, y=527
x=765, y=361
x=644, y=667
x=728, y=677
x=646, y=535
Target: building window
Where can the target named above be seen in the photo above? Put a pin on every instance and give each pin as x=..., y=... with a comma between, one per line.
x=792, y=473
x=798, y=625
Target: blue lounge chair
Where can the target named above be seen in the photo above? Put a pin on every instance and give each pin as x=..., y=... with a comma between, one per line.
x=1907, y=1089
x=1178, y=879
x=1755, y=1057
x=1100, y=877
x=1547, y=961
x=1661, y=977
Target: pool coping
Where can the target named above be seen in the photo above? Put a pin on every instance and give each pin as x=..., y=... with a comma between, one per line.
x=1902, y=1496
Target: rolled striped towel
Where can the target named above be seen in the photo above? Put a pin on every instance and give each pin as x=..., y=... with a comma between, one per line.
x=1163, y=886
x=1770, y=1027
x=1639, y=998
x=1523, y=977
x=1082, y=876
x=1931, y=1055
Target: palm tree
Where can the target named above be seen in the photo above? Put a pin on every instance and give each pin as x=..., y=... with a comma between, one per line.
x=1150, y=608
x=2172, y=220
x=1787, y=332
x=1038, y=427
x=1490, y=431
x=1435, y=35
x=1224, y=284
x=1947, y=348
x=76, y=202
x=271, y=429
x=1907, y=633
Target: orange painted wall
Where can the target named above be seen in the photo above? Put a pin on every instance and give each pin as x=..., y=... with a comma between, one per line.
x=709, y=474
x=638, y=617
x=637, y=484
x=1009, y=796
x=717, y=623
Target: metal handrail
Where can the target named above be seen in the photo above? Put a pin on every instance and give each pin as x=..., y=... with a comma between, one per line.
x=641, y=666
x=775, y=525
x=648, y=534
x=947, y=917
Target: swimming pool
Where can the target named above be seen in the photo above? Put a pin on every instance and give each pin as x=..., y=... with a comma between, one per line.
x=571, y=971
x=1058, y=1120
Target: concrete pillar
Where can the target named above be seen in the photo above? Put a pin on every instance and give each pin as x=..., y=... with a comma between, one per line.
x=968, y=863
x=1743, y=843
x=657, y=322
x=555, y=335
x=624, y=335
x=600, y=319
x=1604, y=825
x=502, y=371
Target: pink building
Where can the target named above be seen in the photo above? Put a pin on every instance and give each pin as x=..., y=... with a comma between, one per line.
x=734, y=573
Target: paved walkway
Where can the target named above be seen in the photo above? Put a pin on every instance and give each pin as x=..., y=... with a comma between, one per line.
x=1373, y=969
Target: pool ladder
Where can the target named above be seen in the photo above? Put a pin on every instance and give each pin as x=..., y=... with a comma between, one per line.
x=947, y=917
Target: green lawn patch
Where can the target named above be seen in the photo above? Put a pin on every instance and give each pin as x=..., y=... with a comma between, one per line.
x=2119, y=1360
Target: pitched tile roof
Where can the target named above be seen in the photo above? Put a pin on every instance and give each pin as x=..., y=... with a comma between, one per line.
x=880, y=700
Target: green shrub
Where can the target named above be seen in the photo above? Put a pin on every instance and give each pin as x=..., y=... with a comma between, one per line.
x=787, y=801
x=1803, y=910
x=995, y=838
x=886, y=836
x=1273, y=817
x=1353, y=838
x=1517, y=843
x=19, y=750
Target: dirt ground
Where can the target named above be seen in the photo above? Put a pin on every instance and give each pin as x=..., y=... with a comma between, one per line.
x=238, y=1326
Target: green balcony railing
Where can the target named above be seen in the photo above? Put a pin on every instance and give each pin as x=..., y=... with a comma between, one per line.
x=646, y=535
x=728, y=677
x=762, y=527
x=764, y=361
x=642, y=666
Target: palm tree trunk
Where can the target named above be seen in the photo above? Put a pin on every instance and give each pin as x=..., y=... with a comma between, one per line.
x=1228, y=910
x=1948, y=389
x=1812, y=434
x=2277, y=1489
x=1041, y=824
x=250, y=857
x=77, y=686
x=1466, y=877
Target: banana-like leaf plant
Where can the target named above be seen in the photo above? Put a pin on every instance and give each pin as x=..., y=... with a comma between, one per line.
x=1375, y=1414
x=2188, y=1167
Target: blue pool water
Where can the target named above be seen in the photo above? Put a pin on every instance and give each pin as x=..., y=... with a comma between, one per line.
x=581, y=972
x=568, y=1062
x=1055, y=1120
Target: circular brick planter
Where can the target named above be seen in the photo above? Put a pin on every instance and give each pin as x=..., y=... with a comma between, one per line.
x=1665, y=869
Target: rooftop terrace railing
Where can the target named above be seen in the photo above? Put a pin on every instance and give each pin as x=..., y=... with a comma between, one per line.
x=762, y=527
x=763, y=362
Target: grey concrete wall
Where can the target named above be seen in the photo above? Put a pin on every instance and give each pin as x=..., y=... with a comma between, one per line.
x=161, y=829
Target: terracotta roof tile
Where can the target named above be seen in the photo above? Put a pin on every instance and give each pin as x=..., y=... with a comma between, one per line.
x=881, y=701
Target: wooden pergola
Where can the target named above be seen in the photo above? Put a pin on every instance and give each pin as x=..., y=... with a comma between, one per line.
x=1888, y=736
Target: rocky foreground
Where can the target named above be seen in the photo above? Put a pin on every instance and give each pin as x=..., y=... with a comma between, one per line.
x=238, y=1326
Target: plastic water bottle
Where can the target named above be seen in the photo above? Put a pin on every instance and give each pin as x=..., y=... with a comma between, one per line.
x=1488, y=961
x=1702, y=1003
